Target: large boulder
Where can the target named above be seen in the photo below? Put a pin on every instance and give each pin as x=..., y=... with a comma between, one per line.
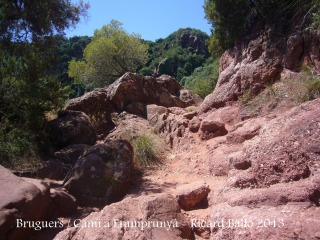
x=102, y=174
x=71, y=127
x=211, y=128
x=21, y=198
x=145, y=217
x=191, y=196
x=170, y=84
x=194, y=124
x=190, y=97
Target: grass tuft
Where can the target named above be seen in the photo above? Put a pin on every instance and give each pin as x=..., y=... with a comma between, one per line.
x=145, y=151
x=246, y=97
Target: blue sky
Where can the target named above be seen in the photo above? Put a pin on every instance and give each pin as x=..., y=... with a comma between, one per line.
x=152, y=19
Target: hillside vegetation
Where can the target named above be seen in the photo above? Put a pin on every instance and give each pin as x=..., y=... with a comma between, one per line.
x=182, y=54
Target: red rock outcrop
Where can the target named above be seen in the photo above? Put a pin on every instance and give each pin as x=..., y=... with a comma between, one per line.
x=190, y=195
x=254, y=63
x=211, y=128
x=132, y=93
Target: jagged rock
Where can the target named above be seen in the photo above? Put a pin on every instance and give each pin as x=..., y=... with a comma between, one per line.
x=293, y=57
x=287, y=148
x=190, y=115
x=258, y=60
x=190, y=195
x=211, y=128
x=21, y=198
x=102, y=174
x=131, y=92
x=157, y=209
x=62, y=203
x=71, y=127
x=154, y=112
x=71, y=154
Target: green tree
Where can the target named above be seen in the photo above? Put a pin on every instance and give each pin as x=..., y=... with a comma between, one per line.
x=29, y=87
x=111, y=53
x=69, y=49
x=232, y=19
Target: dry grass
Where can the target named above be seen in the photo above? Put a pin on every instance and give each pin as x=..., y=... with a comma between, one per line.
x=149, y=149
x=293, y=91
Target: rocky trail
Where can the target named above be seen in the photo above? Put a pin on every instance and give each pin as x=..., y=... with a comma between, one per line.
x=221, y=175
x=229, y=166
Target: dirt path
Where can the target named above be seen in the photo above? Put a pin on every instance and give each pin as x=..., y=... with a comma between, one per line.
x=187, y=164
